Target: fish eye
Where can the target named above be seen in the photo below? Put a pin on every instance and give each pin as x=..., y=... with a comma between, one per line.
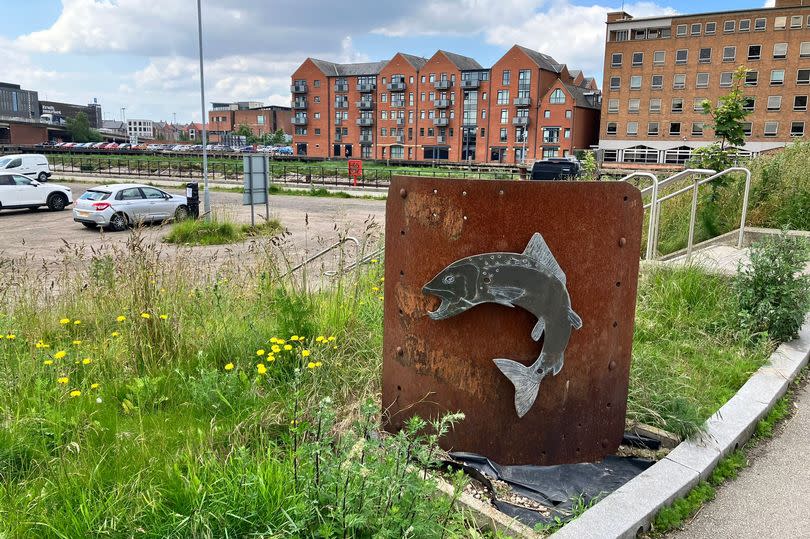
x=449, y=279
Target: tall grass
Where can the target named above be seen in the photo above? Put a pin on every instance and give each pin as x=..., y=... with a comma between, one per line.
x=218, y=230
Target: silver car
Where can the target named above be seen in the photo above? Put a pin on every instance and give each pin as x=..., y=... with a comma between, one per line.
x=122, y=205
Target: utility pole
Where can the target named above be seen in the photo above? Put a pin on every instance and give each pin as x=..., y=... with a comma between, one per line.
x=206, y=194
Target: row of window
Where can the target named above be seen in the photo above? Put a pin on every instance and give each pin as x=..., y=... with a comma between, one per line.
x=702, y=80
x=760, y=24
x=550, y=134
x=780, y=52
x=771, y=129
x=430, y=114
x=774, y=103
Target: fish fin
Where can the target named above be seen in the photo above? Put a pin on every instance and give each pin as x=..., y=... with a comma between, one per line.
x=574, y=318
x=506, y=293
x=504, y=302
x=538, y=250
x=557, y=367
x=539, y=328
x=525, y=380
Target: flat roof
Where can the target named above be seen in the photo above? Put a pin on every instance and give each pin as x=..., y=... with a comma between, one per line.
x=710, y=13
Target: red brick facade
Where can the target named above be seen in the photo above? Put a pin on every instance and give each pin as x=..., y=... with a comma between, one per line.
x=261, y=120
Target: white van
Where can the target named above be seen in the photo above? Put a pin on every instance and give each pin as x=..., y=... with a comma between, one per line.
x=29, y=164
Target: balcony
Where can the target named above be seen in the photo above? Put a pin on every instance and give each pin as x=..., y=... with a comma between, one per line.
x=366, y=139
x=300, y=104
x=397, y=104
x=338, y=137
x=365, y=88
x=299, y=120
x=441, y=139
x=441, y=103
x=470, y=84
x=365, y=122
x=469, y=123
x=520, y=120
x=442, y=84
x=298, y=88
x=522, y=101
x=341, y=104
x=364, y=104
x=341, y=87
x=398, y=86
x=441, y=122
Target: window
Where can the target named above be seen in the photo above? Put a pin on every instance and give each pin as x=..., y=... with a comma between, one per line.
x=507, y=76
x=711, y=28
x=551, y=134
x=503, y=134
x=779, y=23
x=681, y=56
x=568, y=114
x=613, y=105
x=632, y=129
x=702, y=80
x=745, y=25
x=679, y=82
x=680, y=30
x=760, y=24
x=659, y=57
x=657, y=82
x=751, y=78
x=316, y=83
x=729, y=54
x=796, y=21
x=726, y=78
x=803, y=76
x=804, y=49
x=615, y=61
x=652, y=129
x=615, y=83
x=635, y=82
x=774, y=103
x=697, y=129
x=695, y=29
x=504, y=116
x=677, y=105
x=749, y=103
x=546, y=114
x=797, y=129
x=317, y=131
x=777, y=77
x=754, y=52
x=675, y=129
x=557, y=97
x=503, y=97
x=780, y=50
x=611, y=128
x=747, y=128
x=800, y=103
x=705, y=56
x=771, y=129
x=728, y=26
x=567, y=133
x=638, y=58
x=633, y=105
x=697, y=104
x=655, y=105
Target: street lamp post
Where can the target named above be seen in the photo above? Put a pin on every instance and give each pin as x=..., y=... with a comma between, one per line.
x=206, y=194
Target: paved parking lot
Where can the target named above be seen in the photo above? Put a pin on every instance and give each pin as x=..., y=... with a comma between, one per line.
x=312, y=221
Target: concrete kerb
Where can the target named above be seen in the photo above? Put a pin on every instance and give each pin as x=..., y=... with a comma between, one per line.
x=630, y=509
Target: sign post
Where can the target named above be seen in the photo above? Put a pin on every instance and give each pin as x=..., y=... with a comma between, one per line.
x=355, y=169
x=255, y=185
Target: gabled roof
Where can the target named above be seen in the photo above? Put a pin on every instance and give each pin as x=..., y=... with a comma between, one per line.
x=416, y=61
x=463, y=63
x=332, y=69
x=580, y=97
x=544, y=61
x=574, y=73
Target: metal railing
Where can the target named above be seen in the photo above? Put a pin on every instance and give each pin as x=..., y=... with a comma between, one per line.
x=327, y=250
x=651, y=205
x=354, y=265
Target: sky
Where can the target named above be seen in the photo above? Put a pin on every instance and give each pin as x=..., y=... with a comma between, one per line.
x=142, y=55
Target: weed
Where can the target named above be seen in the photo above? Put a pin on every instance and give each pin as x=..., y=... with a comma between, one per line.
x=217, y=231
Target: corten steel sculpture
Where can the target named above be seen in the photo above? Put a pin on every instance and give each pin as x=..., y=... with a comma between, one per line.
x=566, y=254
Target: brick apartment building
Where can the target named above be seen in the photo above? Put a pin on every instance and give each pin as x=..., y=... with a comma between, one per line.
x=446, y=107
x=224, y=118
x=658, y=70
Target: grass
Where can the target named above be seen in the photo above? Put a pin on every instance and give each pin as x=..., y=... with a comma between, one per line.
x=218, y=231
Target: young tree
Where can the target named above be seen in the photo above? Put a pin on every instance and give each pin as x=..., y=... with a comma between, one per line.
x=80, y=130
x=244, y=131
x=278, y=137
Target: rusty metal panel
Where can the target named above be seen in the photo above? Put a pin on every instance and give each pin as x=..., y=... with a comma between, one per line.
x=431, y=367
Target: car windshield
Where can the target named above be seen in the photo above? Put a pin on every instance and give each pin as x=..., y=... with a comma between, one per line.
x=95, y=195
x=5, y=161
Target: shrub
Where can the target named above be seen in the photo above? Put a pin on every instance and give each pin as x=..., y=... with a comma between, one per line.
x=773, y=295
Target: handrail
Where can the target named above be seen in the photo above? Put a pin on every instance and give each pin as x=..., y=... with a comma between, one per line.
x=652, y=205
x=325, y=251
x=365, y=260
x=663, y=183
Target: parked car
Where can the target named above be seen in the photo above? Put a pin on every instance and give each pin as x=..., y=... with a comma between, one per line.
x=27, y=164
x=555, y=169
x=121, y=205
x=18, y=191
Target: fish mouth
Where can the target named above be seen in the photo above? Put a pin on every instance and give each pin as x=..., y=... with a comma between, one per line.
x=443, y=310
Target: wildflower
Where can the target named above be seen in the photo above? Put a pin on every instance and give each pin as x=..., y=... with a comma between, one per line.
x=275, y=348
x=294, y=422
x=75, y=393
x=93, y=386
x=60, y=354
x=382, y=279
x=294, y=338
x=320, y=338
x=288, y=347
x=375, y=288
x=164, y=316
x=98, y=400
x=305, y=353
x=318, y=363
x=39, y=344
x=273, y=340
x=11, y=336
x=162, y=290
x=77, y=322
x=271, y=357
x=146, y=316
x=280, y=341
x=87, y=361
x=374, y=261
x=229, y=366
x=260, y=352
x=331, y=338
x=311, y=365
x=380, y=298
x=48, y=362
x=62, y=380
x=64, y=321
x=120, y=318
x=115, y=334
x=261, y=368
x=77, y=342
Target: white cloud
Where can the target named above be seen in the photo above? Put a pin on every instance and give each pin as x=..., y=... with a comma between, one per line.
x=769, y=3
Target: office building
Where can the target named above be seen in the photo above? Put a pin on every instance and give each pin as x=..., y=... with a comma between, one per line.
x=225, y=118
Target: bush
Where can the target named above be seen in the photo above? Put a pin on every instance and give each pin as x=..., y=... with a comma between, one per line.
x=217, y=231
x=773, y=295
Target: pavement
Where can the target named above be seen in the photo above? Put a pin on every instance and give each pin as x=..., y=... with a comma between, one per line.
x=770, y=497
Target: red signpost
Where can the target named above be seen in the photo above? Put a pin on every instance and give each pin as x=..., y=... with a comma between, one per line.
x=355, y=169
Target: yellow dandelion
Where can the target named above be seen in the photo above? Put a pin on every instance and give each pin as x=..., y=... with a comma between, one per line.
x=275, y=348
x=379, y=297
x=375, y=288
x=311, y=365
x=93, y=386
x=62, y=380
x=318, y=363
x=87, y=361
x=260, y=352
x=164, y=316
x=115, y=334
x=320, y=338
x=229, y=366
x=294, y=338
x=77, y=342
x=146, y=316
x=48, y=362
x=374, y=261
x=271, y=357
x=77, y=322
x=120, y=318
x=261, y=369
x=11, y=336
x=305, y=353
x=331, y=338
x=60, y=354
x=2, y=336
x=273, y=340
x=75, y=393
x=382, y=279
x=280, y=341
x=64, y=321
x=288, y=347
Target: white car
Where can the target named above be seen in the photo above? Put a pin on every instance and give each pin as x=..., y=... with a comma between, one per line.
x=121, y=205
x=27, y=164
x=18, y=191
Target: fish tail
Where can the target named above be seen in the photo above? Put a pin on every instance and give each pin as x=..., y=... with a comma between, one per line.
x=574, y=319
x=526, y=381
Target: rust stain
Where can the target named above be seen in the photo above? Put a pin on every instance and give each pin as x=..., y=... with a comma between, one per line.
x=433, y=212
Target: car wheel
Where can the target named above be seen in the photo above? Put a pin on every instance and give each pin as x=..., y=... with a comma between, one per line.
x=42, y=177
x=118, y=222
x=57, y=202
x=181, y=214
x=90, y=225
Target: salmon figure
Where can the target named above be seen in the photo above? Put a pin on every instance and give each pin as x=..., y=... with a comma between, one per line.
x=532, y=280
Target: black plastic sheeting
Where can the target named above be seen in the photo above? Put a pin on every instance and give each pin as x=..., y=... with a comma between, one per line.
x=560, y=488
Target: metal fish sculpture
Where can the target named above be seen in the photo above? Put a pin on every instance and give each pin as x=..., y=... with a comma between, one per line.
x=532, y=280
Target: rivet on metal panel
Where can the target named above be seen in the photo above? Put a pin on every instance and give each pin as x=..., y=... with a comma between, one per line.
x=402, y=273
x=401, y=232
x=615, y=323
x=611, y=365
x=403, y=193
x=465, y=217
x=500, y=192
x=464, y=193
x=618, y=283
x=400, y=351
x=622, y=242
x=608, y=405
x=435, y=191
